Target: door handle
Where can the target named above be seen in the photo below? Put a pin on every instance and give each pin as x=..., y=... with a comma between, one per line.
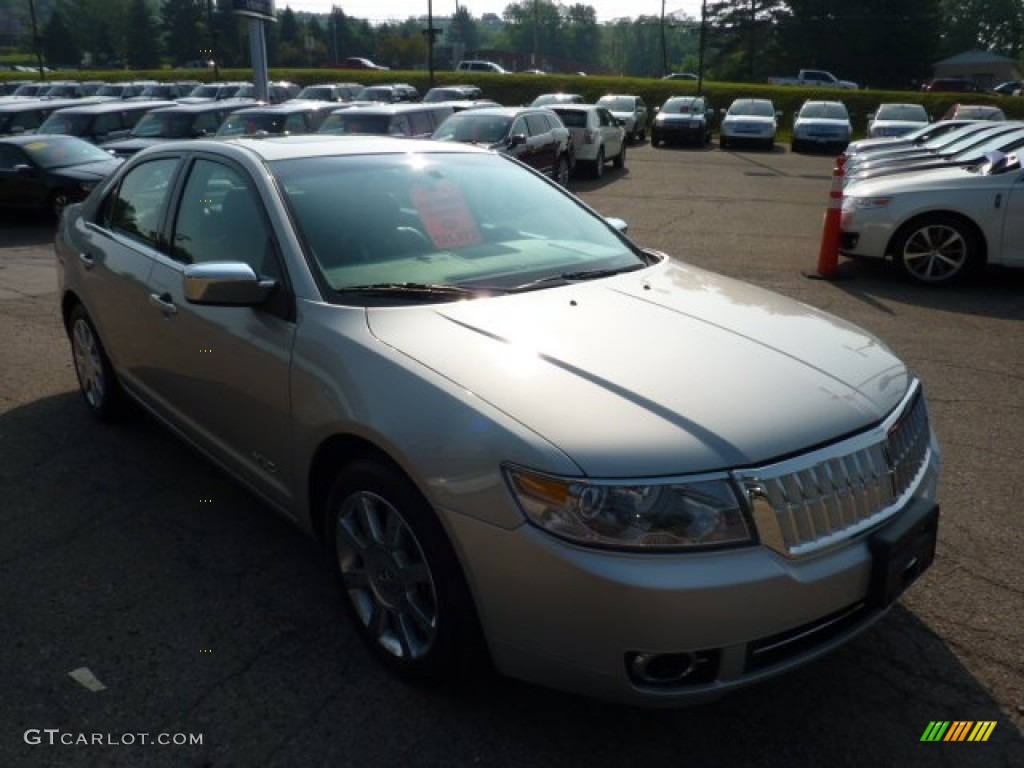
x=87, y=259
x=164, y=303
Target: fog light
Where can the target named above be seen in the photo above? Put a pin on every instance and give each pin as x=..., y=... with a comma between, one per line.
x=672, y=669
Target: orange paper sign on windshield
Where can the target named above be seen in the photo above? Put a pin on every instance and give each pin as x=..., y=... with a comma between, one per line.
x=444, y=212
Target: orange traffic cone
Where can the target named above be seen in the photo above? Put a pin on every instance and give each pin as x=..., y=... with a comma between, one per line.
x=828, y=255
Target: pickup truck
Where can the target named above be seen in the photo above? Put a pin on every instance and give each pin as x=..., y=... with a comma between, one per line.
x=814, y=77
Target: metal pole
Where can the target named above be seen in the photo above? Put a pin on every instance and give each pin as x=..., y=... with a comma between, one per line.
x=430, y=41
x=36, y=41
x=703, y=35
x=258, y=53
x=664, y=49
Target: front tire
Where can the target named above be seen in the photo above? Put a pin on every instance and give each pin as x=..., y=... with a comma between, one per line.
x=402, y=582
x=938, y=250
x=96, y=379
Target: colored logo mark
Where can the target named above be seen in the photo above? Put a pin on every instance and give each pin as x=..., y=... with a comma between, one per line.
x=958, y=730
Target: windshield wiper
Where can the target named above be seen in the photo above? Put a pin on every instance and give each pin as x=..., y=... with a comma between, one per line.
x=412, y=290
x=566, y=278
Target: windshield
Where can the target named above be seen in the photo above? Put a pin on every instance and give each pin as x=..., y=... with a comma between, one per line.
x=163, y=125
x=618, y=103
x=978, y=139
x=683, y=107
x=355, y=121
x=60, y=153
x=467, y=220
x=237, y=124
x=825, y=111
x=382, y=94
x=317, y=92
x=752, y=108
x=909, y=112
x=474, y=128
x=72, y=125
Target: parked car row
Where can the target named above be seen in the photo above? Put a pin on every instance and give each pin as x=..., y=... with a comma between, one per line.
x=940, y=202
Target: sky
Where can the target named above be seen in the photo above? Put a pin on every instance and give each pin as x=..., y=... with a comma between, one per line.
x=399, y=10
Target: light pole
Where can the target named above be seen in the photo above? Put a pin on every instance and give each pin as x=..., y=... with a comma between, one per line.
x=36, y=41
x=700, y=47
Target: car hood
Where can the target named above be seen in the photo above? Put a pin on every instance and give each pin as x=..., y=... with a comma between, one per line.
x=823, y=122
x=928, y=180
x=130, y=146
x=761, y=119
x=677, y=117
x=679, y=369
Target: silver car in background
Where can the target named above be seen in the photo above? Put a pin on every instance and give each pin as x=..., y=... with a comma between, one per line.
x=522, y=436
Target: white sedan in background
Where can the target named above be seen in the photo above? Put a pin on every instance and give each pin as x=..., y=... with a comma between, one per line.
x=597, y=135
x=749, y=120
x=939, y=226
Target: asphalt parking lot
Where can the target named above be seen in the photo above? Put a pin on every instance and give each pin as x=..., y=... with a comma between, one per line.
x=198, y=612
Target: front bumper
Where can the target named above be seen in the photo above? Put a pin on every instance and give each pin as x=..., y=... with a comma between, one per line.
x=865, y=233
x=680, y=131
x=578, y=619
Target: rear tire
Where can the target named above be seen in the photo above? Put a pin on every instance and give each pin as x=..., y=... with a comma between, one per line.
x=620, y=159
x=598, y=170
x=96, y=379
x=561, y=172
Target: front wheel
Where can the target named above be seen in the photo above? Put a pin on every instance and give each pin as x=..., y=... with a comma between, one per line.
x=938, y=250
x=723, y=143
x=399, y=573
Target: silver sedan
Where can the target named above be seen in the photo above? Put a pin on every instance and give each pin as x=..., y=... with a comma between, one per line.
x=522, y=437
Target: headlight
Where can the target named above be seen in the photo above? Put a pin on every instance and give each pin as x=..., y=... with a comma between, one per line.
x=865, y=203
x=698, y=513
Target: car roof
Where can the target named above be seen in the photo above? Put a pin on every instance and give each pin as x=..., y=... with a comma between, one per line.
x=116, y=106
x=375, y=107
x=287, y=108
x=314, y=145
x=202, y=106
x=508, y=111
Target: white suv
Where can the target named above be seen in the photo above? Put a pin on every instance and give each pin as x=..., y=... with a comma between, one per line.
x=481, y=66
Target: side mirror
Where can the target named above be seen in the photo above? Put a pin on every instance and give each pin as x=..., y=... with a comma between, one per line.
x=516, y=140
x=225, y=283
x=23, y=169
x=619, y=224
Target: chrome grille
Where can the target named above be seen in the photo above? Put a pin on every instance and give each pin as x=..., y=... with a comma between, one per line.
x=813, y=501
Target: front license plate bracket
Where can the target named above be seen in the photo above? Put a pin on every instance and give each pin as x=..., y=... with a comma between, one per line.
x=901, y=552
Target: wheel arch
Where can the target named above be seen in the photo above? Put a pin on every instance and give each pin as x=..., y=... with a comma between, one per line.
x=937, y=213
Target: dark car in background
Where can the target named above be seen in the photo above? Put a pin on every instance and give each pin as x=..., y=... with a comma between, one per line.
x=416, y=121
x=212, y=92
x=100, y=122
x=180, y=121
x=49, y=172
x=277, y=119
x=535, y=136
x=453, y=93
x=683, y=119
x=26, y=115
x=167, y=91
x=391, y=93
x=951, y=85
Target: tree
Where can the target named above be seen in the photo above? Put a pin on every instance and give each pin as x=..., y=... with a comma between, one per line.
x=185, y=34
x=533, y=26
x=464, y=29
x=141, y=39
x=744, y=36
x=59, y=47
x=871, y=43
x=992, y=25
x=582, y=35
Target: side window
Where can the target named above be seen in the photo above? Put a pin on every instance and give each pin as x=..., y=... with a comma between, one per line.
x=420, y=123
x=538, y=124
x=208, y=121
x=295, y=123
x=106, y=123
x=136, y=204
x=399, y=126
x=221, y=218
x=10, y=156
x=28, y=121
x=519, y=127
